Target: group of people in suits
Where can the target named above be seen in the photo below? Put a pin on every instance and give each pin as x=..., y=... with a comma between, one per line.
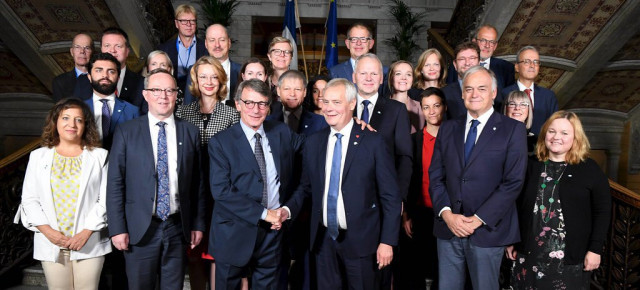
x=237, y=172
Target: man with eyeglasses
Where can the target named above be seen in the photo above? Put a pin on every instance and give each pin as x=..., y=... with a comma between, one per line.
x=155, y=189
x=359, y=41
x=81, y=49
x=544, y=102
x=186, y=48
x=486, y=37
x=109, y=111
x=252, y=164
x=116, y=42
x=467, y=55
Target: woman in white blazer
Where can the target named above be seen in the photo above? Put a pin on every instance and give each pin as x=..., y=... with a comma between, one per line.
x=63, y=198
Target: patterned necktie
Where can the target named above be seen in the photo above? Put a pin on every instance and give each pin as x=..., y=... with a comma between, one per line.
x=528, y=92
x=482, y=63
x=334, y=186
x=471, y=140
x=365, y=111
x=162, y=166
x=106, y=118
x=263, y=168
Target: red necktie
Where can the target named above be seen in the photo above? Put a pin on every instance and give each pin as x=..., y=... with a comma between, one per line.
x=528, y=92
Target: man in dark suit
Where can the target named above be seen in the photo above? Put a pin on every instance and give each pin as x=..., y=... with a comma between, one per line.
x=251, y=176
x=108, y=110
x=476, y=173
x=154, y=189
x=186, y=48
x=466, y=56
x=391, y=119
x=543, y=100
x=359, y=41
x=349, y=176
x=116, y=42
x=292, y=88
x=81, y=49
x=486, y=37
x=218, y=43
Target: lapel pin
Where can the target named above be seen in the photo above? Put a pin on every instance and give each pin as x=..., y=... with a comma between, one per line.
x=357, y=136
x=119, y=111
x=494, y=128
x=570, y=175
x=180, y=143
x=355, y=143
x=379, y=112
x=306, y=126
x=125, y=88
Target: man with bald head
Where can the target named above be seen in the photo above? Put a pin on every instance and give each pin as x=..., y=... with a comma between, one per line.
x=186, y=48
x=486, y=37
x=218, y=43
x=81, y=49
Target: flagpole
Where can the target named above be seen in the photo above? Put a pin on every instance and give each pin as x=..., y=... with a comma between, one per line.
x=324, y=42
x=304, y=58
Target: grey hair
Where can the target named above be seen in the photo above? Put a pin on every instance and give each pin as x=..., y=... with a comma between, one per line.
x=520, y=96
x=371, y=56
x=350, y=89
x=157, y=71
x=292, y=74
x=528, y=47
x=255, y=85
x=478, y=68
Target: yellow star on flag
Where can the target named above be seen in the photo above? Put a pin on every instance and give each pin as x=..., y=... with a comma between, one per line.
x=333, y=45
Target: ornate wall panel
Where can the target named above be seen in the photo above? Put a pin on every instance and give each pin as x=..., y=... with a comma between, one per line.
x=16, y=78
x=613, y=90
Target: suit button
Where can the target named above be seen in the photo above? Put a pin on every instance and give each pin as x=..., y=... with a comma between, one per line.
x=464, y=180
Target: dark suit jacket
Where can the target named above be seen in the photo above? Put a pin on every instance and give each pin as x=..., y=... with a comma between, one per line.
x=545, y=104
x=586, y=206
x=235, y=71
x=309, y=122
x=345, y=71
x=63, y=85
x=372, y=203
x=487, y=185
x=236, y=186
x=504, y=70
x=122, y=112
x=172, y=50
x=83, y=89
x=132, y=179
x=415, y=187
x=455, y=104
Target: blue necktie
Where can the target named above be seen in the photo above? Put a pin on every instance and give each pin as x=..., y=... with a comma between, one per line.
x=106, y=118
x=263, y=168
x=162, y=203
x=471, y=140
x=365, y=111
x=334, y=186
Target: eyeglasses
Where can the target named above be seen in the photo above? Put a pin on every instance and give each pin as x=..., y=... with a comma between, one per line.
x=187, y=21
x=483, y=41
x=361, y=39
x=466, y=59
x=78, y=47
x=156, y=92
x=514, y=104
x=535, y=62
x=252, y=104
x=281, y=52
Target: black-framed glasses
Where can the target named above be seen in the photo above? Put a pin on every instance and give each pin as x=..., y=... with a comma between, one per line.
x=361, y=39
x=252, y=104
x=187, y=21
x=521, y=105
x=535, y=62
x=483, y=41
x=157, y=92
x=281, y=52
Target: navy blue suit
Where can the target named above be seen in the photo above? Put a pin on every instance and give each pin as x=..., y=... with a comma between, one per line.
x=487, y=186
x=455, y=104
x=345, y=70
x=237, y=233
x=372, y=203
x=131, y=191
x=309, y=122
x=545, y=104
x=391, y=119
x=122, y=111
x=63, y=85
x=504, y=71
x=83, y=89
x=172, y=50
x=235, y=71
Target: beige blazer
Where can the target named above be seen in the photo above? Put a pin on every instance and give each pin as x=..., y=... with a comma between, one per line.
x=37, y=207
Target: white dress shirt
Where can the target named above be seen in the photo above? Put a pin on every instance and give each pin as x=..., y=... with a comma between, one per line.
x=97, y=110
x=172, y=157
x=123, y=71
x=360, y=106
x=331, y=143
x=522, y=87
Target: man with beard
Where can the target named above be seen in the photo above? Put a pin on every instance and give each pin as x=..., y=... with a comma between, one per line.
x=108, y=110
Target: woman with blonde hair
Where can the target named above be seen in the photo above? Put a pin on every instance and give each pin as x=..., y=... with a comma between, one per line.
x=63, y=198
x=564, y=211
x=430, y=72
x=400, y=81
x=155, y=59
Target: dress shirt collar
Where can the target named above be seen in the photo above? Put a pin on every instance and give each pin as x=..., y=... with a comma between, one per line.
x=353, y=65
x=111, y=98
x=193, y=41
x=297, y=112
x=78, y=72
x=373, y=99
x=522, y=87
x=250, y=133
x=153, y=120
x=482, y=118
x=487, y=63
x=346, y=130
